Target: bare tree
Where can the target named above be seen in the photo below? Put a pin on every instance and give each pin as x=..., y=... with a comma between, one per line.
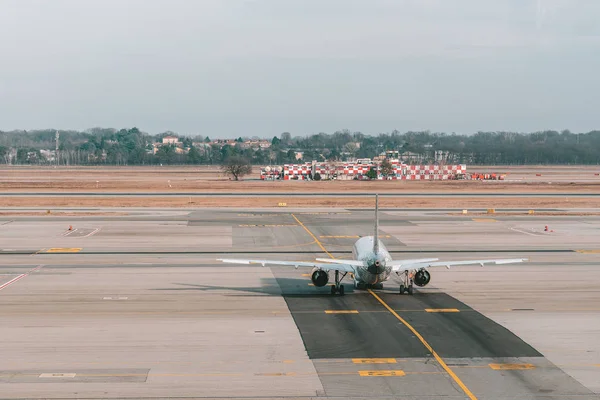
x=387, y=168
x=236, y=167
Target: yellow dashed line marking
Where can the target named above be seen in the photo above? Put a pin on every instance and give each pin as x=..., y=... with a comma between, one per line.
x=393, y=372
x=312, y=284
x=588, y=251
x=305, y=275
x=484, y=220
x=506, y=367
x=341, y=311
x=374, y=360
x=442, y=310
x=64, y=250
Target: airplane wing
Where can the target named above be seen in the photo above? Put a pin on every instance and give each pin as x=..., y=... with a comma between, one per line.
x=342, y=267
x=448, y=264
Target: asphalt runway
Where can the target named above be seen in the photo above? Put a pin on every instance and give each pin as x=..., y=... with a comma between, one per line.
x=137, y=307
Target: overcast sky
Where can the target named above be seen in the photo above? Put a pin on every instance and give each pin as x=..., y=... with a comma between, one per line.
x=260, y=67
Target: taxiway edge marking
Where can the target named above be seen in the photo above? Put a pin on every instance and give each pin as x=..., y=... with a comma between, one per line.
x=439, y=359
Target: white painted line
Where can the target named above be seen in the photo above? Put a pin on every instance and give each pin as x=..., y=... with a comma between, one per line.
x=520, y=231
x=12, y=281
x=20, y=277
x=58, y=375
x=68, y=233
x=107, y=298
x=123, y=298
x=92, y=233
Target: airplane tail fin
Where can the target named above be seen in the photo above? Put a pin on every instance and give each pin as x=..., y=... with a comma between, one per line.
x=376, y=234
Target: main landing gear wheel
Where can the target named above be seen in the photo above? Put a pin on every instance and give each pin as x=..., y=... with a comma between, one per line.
x=337, y=287
x=338, y=290
x=406, y=289
x=407, y=284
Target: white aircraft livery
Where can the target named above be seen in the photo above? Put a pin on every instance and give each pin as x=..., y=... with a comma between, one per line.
x=372, y=264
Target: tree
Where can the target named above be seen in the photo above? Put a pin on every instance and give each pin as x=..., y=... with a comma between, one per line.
x=372, y=174
x=386, y=168
x=194, y=156
x=237, y=167
x=286, y=138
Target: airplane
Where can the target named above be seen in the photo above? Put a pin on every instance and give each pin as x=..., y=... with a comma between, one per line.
x=372, y=265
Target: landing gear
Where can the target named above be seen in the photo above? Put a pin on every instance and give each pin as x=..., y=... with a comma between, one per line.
x=338, y=287
x=407, y=285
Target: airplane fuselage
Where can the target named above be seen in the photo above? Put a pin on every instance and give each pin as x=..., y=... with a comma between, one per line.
x=377, y=269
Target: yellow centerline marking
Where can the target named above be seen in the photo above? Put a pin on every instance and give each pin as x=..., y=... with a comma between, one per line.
x=588, y=251
x=442, y=310
x=374, y=360
x=341, y=311
x=439, y=359
x=313, y=236
x=393, y=372
x=484, y=220
x=508, y=367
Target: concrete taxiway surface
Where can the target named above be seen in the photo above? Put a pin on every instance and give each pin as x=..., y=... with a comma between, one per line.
x=130, y=307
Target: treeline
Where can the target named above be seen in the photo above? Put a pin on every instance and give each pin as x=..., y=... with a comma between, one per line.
x=134, y=147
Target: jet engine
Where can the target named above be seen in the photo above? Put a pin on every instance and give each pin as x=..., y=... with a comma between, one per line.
x=319, y=277
x=422, y=277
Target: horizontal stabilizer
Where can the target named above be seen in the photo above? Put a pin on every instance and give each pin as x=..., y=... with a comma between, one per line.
x=356, y=263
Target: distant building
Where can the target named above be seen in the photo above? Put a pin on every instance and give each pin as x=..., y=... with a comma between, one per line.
x=170, y=140
x=48, y=155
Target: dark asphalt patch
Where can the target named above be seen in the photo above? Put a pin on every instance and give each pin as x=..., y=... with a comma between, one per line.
x=362, y=335
x=375, y=333
x=466, y=333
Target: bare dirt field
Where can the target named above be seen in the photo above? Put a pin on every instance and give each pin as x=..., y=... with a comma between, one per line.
x=529, y=179
x=210, y=179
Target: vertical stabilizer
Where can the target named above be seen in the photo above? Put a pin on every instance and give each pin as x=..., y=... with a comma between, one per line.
x=376, y=234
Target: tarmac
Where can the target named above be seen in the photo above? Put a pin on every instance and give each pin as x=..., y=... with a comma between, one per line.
x=136, y=307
